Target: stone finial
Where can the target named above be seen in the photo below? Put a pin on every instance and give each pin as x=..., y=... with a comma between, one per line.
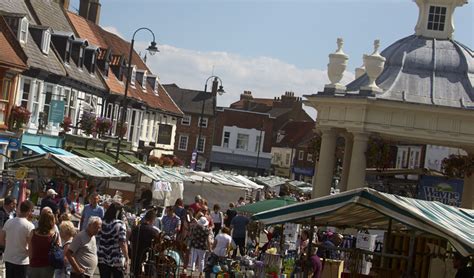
x=340, y=44
x=336, y=67
x=374, y=65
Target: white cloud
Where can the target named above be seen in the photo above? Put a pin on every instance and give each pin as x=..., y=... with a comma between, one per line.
x=265, y=77
x=113, y=30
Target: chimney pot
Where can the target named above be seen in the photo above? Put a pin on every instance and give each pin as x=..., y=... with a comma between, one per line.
x=94, y=11
x=84, y=8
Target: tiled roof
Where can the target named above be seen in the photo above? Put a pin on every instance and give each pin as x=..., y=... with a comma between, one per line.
x=11, y=53
x=295, y=132
x=36, y=58
x=52, y=14
x=184, y=99
x=119, y=48
x=241, y=104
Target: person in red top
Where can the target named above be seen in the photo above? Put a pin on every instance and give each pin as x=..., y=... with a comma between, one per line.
x=197, y=205
x=40, y=244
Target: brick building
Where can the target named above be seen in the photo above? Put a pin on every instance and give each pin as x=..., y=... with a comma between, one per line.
x=187, y=130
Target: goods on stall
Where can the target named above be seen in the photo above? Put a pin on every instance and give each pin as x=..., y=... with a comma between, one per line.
x=332, y=268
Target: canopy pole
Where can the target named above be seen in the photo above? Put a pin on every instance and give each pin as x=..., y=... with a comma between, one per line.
x=387, y=243
x=310, y=246
x=411, y=254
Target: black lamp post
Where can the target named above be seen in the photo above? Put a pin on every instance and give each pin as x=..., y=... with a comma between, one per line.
x=216, y=89
x=123, y=104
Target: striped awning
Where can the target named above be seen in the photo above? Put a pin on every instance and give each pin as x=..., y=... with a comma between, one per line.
x=366, y=208
x=80, y=166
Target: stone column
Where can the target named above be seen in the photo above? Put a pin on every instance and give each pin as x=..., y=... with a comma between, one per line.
x=467, y=200
x=325, y=166
x=151, y=125
x=358, y=161
x=346, y=164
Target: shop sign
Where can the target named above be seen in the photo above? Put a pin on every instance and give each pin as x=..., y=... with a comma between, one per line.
x=193, y=160
x=56, y=111
x=21, y=173
x=14, y=144
x=446, y=191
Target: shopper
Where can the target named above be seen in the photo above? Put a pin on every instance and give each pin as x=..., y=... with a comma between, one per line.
x=222, y=242
x=41, y=240
x=67, y=231
x=7, y=211
x=197, y=205
x=200, y=243
x=141, y=241
x=171, y=223
x=92, y=209
x=230, y=214
x=112, y=244
x=16, y=233
x=82, y=252
x=217, y=218
x=239, y=232
x=68, y=204
x=49, y=201
x=179, y=209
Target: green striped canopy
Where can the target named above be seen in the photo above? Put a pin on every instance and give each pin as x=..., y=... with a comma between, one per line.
x=369, y=209
x=266, y=205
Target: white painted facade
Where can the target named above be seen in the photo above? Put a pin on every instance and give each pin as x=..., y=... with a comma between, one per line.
x=435, y=154
x=36, y=94
x=242, y=141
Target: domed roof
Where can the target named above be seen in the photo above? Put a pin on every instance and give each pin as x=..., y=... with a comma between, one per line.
x=425, y=70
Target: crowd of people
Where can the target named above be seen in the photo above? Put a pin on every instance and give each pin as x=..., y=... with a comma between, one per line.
x=66, y=240
x=99, y=237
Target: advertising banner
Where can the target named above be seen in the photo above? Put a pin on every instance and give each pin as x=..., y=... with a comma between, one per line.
x=444, y=190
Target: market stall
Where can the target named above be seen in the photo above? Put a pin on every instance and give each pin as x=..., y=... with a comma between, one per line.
x=64, y=173
x=366, y=208
x=166, y=187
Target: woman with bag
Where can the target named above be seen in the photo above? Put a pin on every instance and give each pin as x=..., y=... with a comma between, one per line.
x=42, y=240
x=112, y=244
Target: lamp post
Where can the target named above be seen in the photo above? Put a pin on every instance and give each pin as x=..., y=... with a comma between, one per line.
x=216, y=89
x=152, y=49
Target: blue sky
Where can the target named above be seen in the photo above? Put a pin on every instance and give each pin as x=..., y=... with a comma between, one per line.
x=265, y=46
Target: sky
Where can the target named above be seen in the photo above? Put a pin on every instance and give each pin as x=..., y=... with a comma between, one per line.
x=267, y=47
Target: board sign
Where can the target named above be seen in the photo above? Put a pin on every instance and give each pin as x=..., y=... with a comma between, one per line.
x=444, y=190
x=56, y=111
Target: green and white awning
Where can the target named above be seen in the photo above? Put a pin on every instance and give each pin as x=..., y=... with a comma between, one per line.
x=369, y=209
x=80, y=166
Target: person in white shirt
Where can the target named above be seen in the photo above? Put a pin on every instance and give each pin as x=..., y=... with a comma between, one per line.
x=222, y=243
x=217, y=218
x=15, y=238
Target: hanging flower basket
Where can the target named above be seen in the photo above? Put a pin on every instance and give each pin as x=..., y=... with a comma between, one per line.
x=88, y=123
x=121, y=130
x=66, y=124
x=19, y=116
x=103, y=126
x=458, y=166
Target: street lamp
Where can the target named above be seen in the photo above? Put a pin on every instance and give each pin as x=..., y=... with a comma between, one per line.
x=216, y=89
x=123, y=104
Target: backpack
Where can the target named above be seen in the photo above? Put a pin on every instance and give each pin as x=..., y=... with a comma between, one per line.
x=56, y=254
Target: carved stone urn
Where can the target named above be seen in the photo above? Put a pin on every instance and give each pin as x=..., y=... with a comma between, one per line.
x=374, y=65
x=336, y=67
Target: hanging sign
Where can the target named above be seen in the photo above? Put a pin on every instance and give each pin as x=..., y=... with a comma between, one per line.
x=56, y=111
x=21, y=173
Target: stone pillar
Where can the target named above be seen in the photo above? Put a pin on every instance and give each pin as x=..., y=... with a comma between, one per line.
x=358, y=161
x=346, y=164
x=467, y=200
x=151, y=125
x=325, y=166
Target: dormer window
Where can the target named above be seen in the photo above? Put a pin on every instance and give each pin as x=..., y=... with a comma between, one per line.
x=93, y=62
x=81, y=57
x=144, y=82
x=67, y=55
x=23, y=30
x=46, y=41
x=156, y=86
x=436, y=18
x=134, y=75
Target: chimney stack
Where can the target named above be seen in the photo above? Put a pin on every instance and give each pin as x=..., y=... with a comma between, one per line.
x=84, y=8
x=65, y=4
x=94, y=11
